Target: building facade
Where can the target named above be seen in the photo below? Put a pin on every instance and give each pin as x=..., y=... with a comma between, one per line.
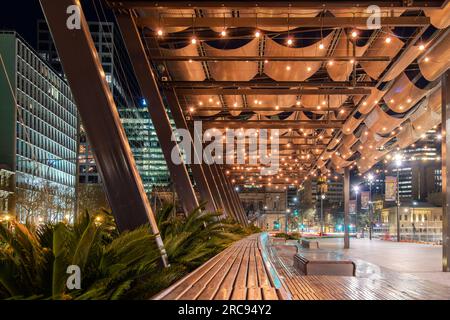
x=38, y=121
x=418, y=222
x=132, y=111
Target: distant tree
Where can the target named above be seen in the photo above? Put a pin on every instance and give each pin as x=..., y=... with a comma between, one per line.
x=91, y=197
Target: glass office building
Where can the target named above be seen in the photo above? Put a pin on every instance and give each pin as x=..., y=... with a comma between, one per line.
x=38, y=121
x=132, y=110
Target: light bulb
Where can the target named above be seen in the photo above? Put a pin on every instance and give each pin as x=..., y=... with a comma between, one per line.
x=388, y=40
x=321, y=46
x=288, y=68
x=422, y=47
x=354, y=34
x=159, y=32
x=193, y=40
x=426, y=59
x=223, y=33
x=330, y=63
x=289, y=42
x=308, y=69
x=257, y=33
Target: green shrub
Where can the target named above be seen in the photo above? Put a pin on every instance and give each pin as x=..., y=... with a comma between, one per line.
x=34, y=260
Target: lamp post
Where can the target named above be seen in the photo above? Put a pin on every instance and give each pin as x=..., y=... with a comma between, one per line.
x=398, y=164
x=356, y=190
x=322, y=197
x=370, y=178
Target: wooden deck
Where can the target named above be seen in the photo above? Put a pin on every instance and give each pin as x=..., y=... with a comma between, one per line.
x=303, y=287
x=253, y=270
x=240, y=272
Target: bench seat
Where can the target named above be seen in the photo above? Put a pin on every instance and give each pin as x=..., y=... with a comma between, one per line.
x=240, y=272
x=323, y=263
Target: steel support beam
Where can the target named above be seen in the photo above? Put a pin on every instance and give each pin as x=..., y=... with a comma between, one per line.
x=235, y=198
x=197, y=166
x=346, y=207
x=273, y=124
x=262, y=92
x=445, y=87
x=299, y=4
x=266, y=58
x=262, y=22
x=223, y=191
x=268, y=83
x=149, y=88
x=268, y=109
x=112, y=153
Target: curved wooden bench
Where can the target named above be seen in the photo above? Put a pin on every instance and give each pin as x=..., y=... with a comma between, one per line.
x=240, y=272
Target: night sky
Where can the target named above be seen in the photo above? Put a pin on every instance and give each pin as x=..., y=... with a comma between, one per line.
x=22, y=16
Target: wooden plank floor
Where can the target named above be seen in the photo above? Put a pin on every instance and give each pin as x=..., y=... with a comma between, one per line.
x=237, y=273
x=304, y=287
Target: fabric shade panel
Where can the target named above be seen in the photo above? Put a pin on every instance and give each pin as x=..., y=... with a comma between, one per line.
x=203, y=101
x=380, y=48
x=440, y=18
x=407, y=136
x=184, y=70
x=156, y=19
x=371, y=101
x=322, y=101
x=371, y=140
x=380, y=122
x=351, y=124
x=437, y=60
x=295, y=70
x=233, y=70
x=234, y=102
x=340, y=70
x=349, y=140
x=408, y=57
x=434, y=100
x=403, y=94
x=338, y=162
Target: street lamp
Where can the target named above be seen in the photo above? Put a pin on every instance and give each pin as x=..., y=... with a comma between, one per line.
x=356, y=190
x=322, y=197
x=288, y=211
x=398, y=164
x=370, y=178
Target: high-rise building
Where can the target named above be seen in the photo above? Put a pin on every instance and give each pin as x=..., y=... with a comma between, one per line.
x=133, y=112
x=38, y=131
x=420, y=171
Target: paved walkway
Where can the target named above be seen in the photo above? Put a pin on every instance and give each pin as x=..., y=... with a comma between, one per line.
x=385, y=270
x=422, y=261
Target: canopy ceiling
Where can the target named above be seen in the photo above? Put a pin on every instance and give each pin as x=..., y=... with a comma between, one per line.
x=363, y=92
